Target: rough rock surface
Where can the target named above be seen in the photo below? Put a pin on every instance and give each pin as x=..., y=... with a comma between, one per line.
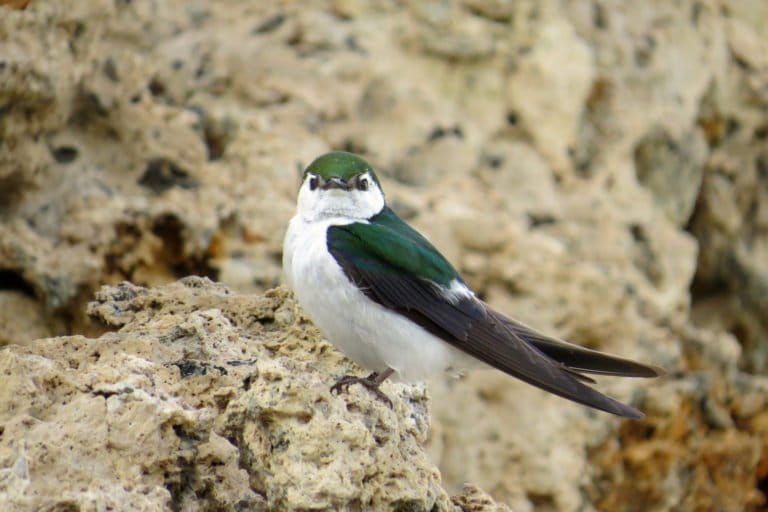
x=597, y=169
x=206, y=400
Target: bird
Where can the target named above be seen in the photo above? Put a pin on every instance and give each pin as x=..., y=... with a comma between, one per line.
x=382, y=294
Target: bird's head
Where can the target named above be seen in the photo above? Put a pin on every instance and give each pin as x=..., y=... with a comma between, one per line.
x=339, y=184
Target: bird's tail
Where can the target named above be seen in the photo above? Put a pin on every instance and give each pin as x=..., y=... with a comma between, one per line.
x=579, y=359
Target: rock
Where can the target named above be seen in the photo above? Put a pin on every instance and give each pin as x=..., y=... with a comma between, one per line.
x=550, y=82
x=672, y=170
x=730, y=215
x=41, y=69
x=681, y=441
x=472, y=499
x=498, y=10
x=22, y=320
x=207, y=399
x=446, y=33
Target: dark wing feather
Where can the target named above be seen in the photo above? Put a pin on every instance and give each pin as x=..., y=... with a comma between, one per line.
x=579, y=358
x=464, y=322
x=494, y=340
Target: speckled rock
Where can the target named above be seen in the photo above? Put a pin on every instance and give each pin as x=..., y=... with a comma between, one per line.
x=205, y=399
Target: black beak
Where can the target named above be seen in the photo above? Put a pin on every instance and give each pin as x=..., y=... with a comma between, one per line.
x=335, y=182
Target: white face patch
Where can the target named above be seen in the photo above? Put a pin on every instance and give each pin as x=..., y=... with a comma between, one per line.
x=354, y=204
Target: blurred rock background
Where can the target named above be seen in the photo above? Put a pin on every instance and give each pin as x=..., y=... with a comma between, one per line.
x=596, y=169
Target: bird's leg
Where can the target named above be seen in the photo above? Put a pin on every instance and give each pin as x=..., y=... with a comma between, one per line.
x=371, y=382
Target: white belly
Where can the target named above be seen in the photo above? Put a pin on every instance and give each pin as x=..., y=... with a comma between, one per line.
x=364, y=331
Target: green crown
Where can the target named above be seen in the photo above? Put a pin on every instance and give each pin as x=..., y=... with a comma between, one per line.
x=340, y=164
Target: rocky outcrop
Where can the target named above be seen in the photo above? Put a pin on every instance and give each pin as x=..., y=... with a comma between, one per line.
x=595, y=169
x=202, y=399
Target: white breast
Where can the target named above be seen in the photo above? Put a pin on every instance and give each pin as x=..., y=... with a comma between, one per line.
x=364, y=331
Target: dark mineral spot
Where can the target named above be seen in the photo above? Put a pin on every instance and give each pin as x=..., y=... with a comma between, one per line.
x=536, y=220
x=241, y=362
x=215, y=143
x=354, y=45
x=110, y=70
x=64, y=154
x=190, y=368
x=494, y=161
x=156, y=87
x=439, y=132
x=269, y=24
x=162, y=174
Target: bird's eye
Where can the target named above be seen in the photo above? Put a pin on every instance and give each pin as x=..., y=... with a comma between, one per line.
x=362, y=184
x=313, y=182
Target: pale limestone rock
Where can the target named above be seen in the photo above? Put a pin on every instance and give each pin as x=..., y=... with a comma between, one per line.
x=207, y=399
x=498, y=10
x=22, y=319
x=549, y=86
x=448, y=33
x=42, y=70
x=672, y=170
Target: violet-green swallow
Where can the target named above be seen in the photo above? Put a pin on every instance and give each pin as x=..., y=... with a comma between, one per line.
x=383, y=295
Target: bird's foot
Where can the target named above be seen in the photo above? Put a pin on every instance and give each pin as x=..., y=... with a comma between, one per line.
x=371, y=382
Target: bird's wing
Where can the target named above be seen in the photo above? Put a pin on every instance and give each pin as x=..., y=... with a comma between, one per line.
x=385, y=259
x=578, y=358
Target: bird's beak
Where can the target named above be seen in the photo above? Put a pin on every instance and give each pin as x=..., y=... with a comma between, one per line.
x=335, y=182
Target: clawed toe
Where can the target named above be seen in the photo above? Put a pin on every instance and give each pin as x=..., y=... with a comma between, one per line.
x=343, y=384
x=371, y=382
